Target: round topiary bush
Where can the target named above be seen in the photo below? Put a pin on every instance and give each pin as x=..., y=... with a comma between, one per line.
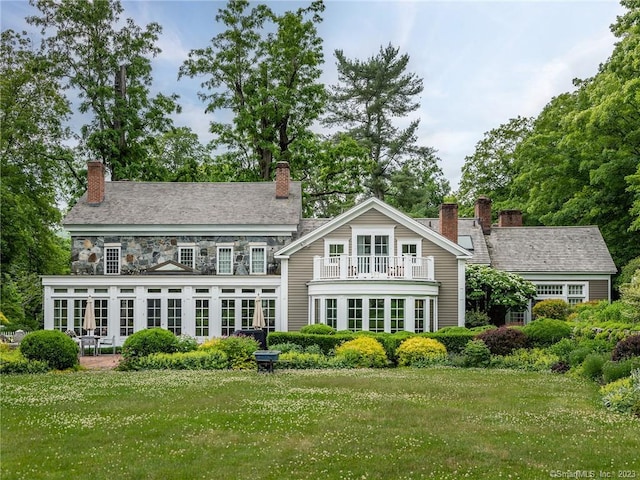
x=362, y=352
x=503, y=340
x=627, y=348
x=547, y=331
x=476, y=354
x=51, y=346
x=419, y=351
x=318, y=329
x=146, y=342
x=552, y=308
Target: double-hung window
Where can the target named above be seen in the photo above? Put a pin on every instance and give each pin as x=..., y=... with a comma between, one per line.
x=112, y=259
x=187, y=256
x=225, y=260
x=258, y=260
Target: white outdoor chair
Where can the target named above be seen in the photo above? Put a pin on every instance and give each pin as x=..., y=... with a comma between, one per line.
x=107, y=341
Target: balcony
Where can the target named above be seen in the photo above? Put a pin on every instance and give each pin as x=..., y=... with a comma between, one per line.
x=372, y=267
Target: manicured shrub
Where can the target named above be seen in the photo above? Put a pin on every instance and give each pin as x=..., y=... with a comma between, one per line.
x=12, y=361
x=287, y=347
x=363, y=352
x=238, y=349
x=476, y=318
x=302, y=360
x=318, y=329
x=563, y=348
x=420, y=350
x=623, y=395
x=192, y=360
x=546, y=331
x=454, y=340
x=146, y=342
x=627, y=348
x=327, y=343
x=52, y=347
x=476, y=354
x=532, y=360
x=186, y=343
x=553, y=308
x=503, y=340
x=612, y=371
x=591, y=368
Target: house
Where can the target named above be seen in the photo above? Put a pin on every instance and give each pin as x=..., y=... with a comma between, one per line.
x=194, y=258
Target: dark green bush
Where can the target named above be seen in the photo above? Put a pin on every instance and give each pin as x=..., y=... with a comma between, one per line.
x=146, y=342
x=302, y=361
x=327, y=343
x=288, y=347
x=546, y=331
x=563, y=348
x=476, y=354
x=503, y=340
x=318, y=329
x=476, y=318
x=592, y=366
x=52, y=347
x=627, y=348
x=612, y=371
x=553, y=308
x=454, y=340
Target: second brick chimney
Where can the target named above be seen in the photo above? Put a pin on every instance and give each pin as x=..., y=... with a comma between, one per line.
x=510, y=218
x=282, y=180
x=449, y=221
x=483, y=213
x=95, y=183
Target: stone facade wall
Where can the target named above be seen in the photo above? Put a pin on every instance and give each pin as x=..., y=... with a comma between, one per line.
x=138, y=253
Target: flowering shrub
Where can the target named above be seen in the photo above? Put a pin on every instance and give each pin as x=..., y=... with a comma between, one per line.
x=547, y=331
x=186, y=343
x=239, y=350
x=552, y=308
x=52, y=347
x=627, y=348
x=146, y=342
x=476, y=354
x=420, y=350
x=503, y=340
x=623, y=396
x=362, y=352
x=534, y=360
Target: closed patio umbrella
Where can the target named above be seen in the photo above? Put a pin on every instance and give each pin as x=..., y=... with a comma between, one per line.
x=89, y=323
x=258, y=314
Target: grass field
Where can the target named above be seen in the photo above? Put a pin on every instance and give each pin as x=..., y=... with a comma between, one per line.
x=358, y=424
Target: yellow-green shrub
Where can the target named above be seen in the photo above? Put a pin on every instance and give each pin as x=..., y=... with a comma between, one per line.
x=362, y=352
x=419, y=351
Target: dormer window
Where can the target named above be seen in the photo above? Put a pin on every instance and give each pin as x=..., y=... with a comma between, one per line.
x=258, y=260
x=225, y=260
x=187, y=256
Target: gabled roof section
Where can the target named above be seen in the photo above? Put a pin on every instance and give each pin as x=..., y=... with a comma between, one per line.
x=375, y=204
x=466, y=227
x=183, y=206
x=170, y=266
x=550, y=250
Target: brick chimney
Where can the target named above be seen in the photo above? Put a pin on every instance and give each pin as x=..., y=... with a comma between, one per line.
x=282, y=180
x=483, y=213
x=95, y=183
x=449, y=221
x=510, y=218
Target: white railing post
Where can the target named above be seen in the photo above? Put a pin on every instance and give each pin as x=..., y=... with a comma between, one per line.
x=430, y=268
x=344, y=266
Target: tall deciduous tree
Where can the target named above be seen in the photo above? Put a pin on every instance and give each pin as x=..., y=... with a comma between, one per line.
x=369, y=101
x=264, y=69
x=93, y=54
x=32, y=149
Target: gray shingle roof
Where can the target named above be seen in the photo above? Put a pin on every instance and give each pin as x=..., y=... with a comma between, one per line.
x=550, y=249
x=466, y=226
x=158, y=203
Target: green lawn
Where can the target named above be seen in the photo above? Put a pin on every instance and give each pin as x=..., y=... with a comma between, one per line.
x=359, y=424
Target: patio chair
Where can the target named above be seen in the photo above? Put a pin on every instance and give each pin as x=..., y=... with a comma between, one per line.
x=107, y=341
x=17, y=338
x=74, y=337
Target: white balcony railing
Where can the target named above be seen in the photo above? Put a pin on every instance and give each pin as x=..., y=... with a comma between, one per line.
x=373, y=267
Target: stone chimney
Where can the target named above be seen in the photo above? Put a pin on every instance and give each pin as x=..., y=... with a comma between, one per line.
x=483, y=213
x=449, y=221
x=95, y=183
x=282, y=180
x=510, y=218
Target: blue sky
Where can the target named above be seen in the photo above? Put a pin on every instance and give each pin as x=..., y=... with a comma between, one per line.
x=482, y=62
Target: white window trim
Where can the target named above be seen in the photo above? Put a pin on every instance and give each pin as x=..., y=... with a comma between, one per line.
x=371, y=231
x=417, y=260
x=335, y=241
x=565, y=290
x=262, y=247
x=117, y=247
x=218, y=248
x=182, y=248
